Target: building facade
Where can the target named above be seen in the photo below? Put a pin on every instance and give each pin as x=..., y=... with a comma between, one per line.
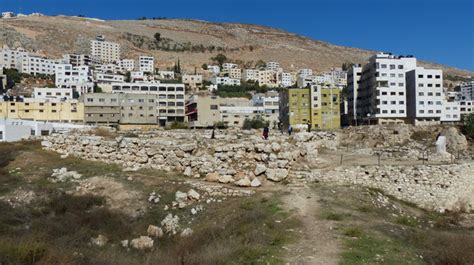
x=105, y=51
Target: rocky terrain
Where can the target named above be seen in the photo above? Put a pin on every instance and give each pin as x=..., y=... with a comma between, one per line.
x=193, y=42
x=177, y=196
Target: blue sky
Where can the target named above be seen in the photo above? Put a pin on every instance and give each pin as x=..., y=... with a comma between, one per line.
x=441, y=31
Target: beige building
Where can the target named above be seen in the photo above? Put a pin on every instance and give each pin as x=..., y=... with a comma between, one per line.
x=204, y=111
x=70, y=111
x=235, y=73
x=193, y=82
x=101, y=109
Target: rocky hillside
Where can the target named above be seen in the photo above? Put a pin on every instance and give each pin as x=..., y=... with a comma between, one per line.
x=193, y=42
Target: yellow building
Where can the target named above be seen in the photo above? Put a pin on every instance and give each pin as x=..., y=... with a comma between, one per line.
x=318, y=105
x=69, y=111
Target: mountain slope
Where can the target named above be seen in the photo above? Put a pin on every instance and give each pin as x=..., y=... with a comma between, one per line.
x=193, y=42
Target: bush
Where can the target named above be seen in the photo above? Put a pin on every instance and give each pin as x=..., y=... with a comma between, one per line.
x=255, y=123
x=469, y=125
x=178, y=125
x=220, y=125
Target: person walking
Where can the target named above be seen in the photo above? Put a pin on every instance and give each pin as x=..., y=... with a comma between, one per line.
x=266, y=130
x=290, y=130
x=309, y=126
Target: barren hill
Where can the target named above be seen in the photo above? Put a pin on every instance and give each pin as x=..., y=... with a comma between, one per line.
x=193, y=42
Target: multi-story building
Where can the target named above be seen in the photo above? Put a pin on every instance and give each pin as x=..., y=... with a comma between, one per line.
x=11, y=58
x=171, y=98
x=193, y=82
x=53, y=94
x=382, y=89
x=353, y=79
x=126, y=65
x=214, y=69
x=305, y=72
x=424, y=97
x=250, y=75
x=3, y=80
x=227, y=66
x=317, y=105
x=285, y=79
x=140, y=109
x=77, y=59
x=270, y=102
x=274, y=66
x=166, y=75
x=105, y=51
x=109, y=78
x=77, y=78
x=225, y=80
x=146, y=64
x=36, y=65
x=101, y=109
x=108, y=68
x=70, y=111
x=466, y=91
x=467, y=107
x=268, y=78
x=235, y=73
x=451, y=112
x=204, y=111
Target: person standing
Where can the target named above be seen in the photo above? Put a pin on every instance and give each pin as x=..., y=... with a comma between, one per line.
x=290, y=130
x=213, y=134
x=309, y=126
x=266, y=130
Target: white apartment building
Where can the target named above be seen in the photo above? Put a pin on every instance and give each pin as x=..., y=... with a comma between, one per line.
x=424, y=96
x=304, y=81
x=168, y=75
x=227, y=66
x=171, y=98
x=451, y=112
x=109, y=78
x=275, y=66
x=192, y=81
x=53, y=94
x=11, y=58
x=467, y=106
x=225, y=80
x=36, y=65
x=353, y=79
x=382, y=89
x=105, y=51
x=305, y=72
x=214, y=69
x=127, y=65
x=146, y=64
x=250, y=75
x=77, y=59
x=270, y=102
x=285, y=79
x=235, y=73
x=108, y=68
x=466, y=91
x=66, y=73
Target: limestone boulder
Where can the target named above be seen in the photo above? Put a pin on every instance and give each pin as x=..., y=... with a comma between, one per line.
x=142, y=243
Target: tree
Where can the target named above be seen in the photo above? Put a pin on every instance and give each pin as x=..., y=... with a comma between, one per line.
x=256, y=122
x=220, y=59
x=345, y=66
x=469, y=124
x=97, y=89
x=177, y=67
x=128, y=77
x=204, y=66
x=157, y=36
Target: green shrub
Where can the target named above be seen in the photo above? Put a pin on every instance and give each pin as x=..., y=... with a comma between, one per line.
x=178, y=125
x=468, y=121
x=255, y=123
x=353, y=232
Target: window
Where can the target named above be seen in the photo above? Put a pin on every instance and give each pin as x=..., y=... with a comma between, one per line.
x=421, y=94
x=421, y=85
x=213, y=107
x=437, y=76
x=384, y=66
x=400, y=66
x=392, y=67
x=420, y=76
x=430, y=76
x=90, y=100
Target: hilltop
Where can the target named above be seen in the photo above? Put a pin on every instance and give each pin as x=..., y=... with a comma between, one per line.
x=193, y=42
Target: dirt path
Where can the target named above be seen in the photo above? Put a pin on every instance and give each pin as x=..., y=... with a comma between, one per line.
x=317, y=243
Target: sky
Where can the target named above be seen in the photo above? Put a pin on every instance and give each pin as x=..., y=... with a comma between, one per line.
x=440, y=31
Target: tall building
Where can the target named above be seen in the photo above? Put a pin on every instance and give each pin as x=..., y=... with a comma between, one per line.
x=424, y=96
x=146, y=64
x=317, y=105
x=353, y=79
x=105, y=51
x=382, y=90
